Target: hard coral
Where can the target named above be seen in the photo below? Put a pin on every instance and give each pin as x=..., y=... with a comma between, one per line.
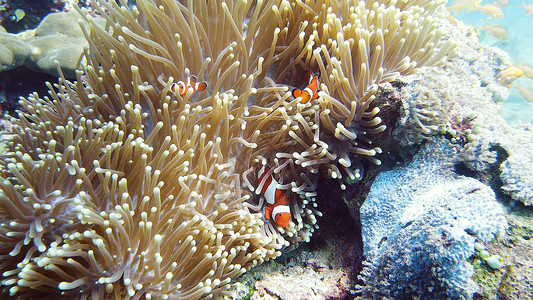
x=57, y=40
x=421, y=221
x=517, y=171
x=116, y=186
x=426, y=107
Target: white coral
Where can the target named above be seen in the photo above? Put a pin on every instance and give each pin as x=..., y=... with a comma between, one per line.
x=517, y=170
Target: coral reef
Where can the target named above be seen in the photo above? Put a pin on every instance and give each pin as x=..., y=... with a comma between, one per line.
x=55, y=39
x=490, y=150
x=475, y=121
x=515, y=278
x=426, y=108
x=107, y=173
x=478, y=155
x=422, y=220
x=490, y=136
x=517, y=169
x=13, y=51
x=25, y=56
x=304, y=283
x=320, y=269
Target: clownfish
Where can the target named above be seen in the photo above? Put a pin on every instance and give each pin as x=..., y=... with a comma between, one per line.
x=277, y=201
x=192, y=83
x=311, y=90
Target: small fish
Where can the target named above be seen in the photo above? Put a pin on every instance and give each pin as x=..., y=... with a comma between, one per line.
x=526, y=92
x=496, y=30
x=461, y=5
x=490, y=10
x=18, y=15
x=509, y=75
x=528, y=8
x=453, y=20
x=182, y=88
x=526, y=68
x=310, y=92
x=504, y=3
x=278, y=204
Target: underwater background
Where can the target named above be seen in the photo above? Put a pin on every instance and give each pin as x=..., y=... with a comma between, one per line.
x=519, y=46
x=445, y=213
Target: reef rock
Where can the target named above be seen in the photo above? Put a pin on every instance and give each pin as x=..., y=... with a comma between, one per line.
x=471, y=113
x=60, y=38
x=419, y=226
x=13, y=51
x=517, y=169
x=57, y=38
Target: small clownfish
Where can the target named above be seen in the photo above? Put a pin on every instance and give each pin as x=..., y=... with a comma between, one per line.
x=277, y=201
x=192, y=83
x=310, y=92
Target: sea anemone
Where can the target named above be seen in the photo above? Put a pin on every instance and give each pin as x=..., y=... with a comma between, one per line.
x=116, y=186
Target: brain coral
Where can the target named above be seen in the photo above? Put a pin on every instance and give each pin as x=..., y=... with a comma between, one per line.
x=114, y=186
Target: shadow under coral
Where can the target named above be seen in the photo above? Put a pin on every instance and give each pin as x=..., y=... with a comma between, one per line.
x=20, y=82
x=327, y=266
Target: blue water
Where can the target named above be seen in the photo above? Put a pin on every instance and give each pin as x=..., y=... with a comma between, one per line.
x=519, y=46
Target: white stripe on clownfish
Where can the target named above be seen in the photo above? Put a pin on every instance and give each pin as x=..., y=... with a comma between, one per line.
x=192, y=84
x=310, y=92
x=277, y=201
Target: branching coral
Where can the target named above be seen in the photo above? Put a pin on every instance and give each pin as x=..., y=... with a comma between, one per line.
x=517, y=173
x=117, y=186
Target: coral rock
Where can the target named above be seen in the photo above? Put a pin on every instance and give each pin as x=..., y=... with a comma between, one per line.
x=13, y=51
x=58, y=37
x=422, y=221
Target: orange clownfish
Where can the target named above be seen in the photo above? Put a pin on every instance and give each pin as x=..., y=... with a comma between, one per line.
x=310, y=92
x=277, y=201
x=192, y=83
